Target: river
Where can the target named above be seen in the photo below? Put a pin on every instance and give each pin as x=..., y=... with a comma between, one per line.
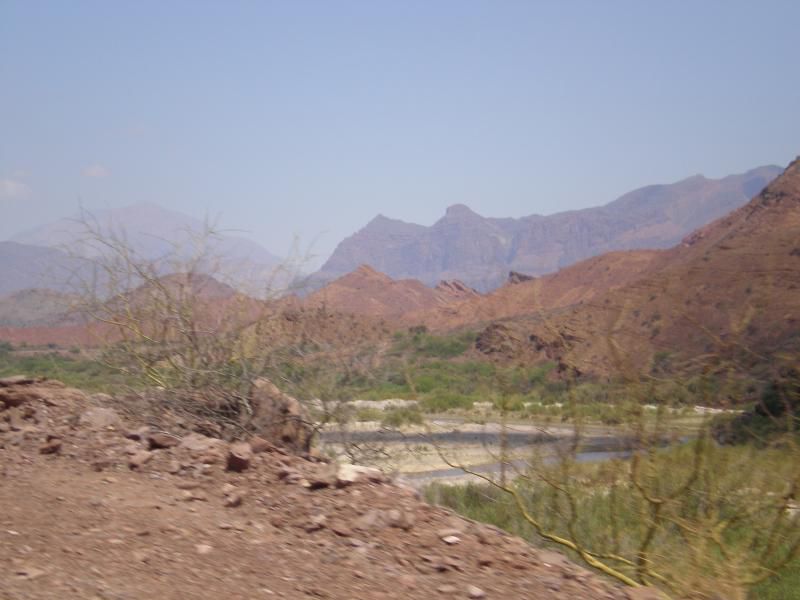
x=414, y=455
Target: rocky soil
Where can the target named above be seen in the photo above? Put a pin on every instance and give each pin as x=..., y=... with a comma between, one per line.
x=92, y=506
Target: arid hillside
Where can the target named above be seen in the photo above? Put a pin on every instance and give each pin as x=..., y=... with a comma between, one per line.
x=197, y=302
x=367, y=292
x=728, y=295
x=35, y=307
x=525, y=296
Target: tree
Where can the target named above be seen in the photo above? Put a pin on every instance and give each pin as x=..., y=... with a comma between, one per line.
x=194, y=342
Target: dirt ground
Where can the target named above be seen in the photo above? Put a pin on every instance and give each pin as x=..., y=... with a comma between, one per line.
x=92, y=507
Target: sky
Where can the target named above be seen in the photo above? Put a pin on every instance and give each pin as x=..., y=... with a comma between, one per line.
x=304, y=119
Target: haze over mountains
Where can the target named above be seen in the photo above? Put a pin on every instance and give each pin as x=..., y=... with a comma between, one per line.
x=480, y=251
x=462, y=247
x=150, y=230
x=728, y=295
x=729, y=292
x=47, y=256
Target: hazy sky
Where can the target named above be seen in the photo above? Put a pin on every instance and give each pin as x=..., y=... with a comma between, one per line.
x=309, y=118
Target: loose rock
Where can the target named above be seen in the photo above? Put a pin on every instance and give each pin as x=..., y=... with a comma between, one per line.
x=239, y=457
x=350, y=474
x=99, y=418
x=475, y=592
x=160, y=440
x=138, y=460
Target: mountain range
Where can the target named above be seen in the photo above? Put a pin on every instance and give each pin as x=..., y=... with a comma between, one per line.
x=728, y=295
x=480, y=251
x=54, y=255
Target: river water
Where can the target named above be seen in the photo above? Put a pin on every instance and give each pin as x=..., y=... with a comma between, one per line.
x=452, y=437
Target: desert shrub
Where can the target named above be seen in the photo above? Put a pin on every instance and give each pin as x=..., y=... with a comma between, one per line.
x=707, y=519
x=368, y=414
x=512, y=402
x=398, y=417
x=443, y=400
x=418, y=343
x=90, y=375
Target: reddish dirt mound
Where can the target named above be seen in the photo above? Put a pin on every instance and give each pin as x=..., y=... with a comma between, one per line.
x=370, y=293
x=93, y=507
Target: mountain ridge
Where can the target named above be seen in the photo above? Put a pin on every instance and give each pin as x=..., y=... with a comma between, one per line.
x=480, y=251
x=728, y=293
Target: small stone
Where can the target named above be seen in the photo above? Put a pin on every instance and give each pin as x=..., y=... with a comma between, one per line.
x=233, y=500
x=161, y=440
x=315, y=523
x=137, y=435
x=400, y=519
x=475, y=592
x=451, y=540
x=187, y=485
x=350, y=474
x=443, y=533
x=342, y=531
x=259, y=445
x=195, y=442
x=52, y=446
x=322, y=479
x=141, y=556
x=101, y=464
x=28, y=572
x=99, y=418
x=240, y=456
x=369, y=520
x=193, y=496
x=407, y=581
x=203, y=548
x=138, y=460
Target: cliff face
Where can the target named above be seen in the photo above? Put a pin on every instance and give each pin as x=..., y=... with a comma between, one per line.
x=481, y=251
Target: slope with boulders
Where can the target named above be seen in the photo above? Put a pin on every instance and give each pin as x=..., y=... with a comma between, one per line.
x=93, y=504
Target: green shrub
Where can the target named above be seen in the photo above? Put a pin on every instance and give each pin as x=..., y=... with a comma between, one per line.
x=368, y=414
x=443, y=400
x=398, y=417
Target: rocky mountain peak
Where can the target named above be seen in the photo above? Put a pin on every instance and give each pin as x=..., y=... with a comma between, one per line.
x=460, y=212
x=515, y=277
x=365, y=271
x=455, y=288
x=481, y=251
